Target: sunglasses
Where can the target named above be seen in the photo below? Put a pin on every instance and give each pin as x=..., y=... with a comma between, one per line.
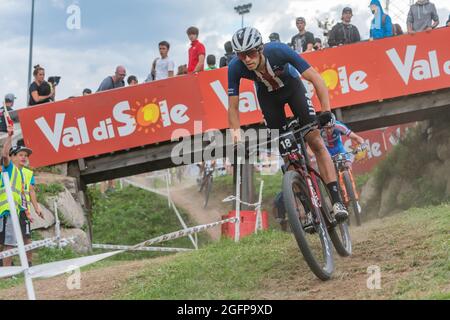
x=252, y=54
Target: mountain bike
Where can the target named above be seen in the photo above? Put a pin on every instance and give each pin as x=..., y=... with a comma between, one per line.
x=309, y=206
x=206, y=184
x=347, y=186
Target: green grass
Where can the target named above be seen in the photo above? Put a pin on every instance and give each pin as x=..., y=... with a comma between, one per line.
x=45, y=190
x=429, y=282
x=223, y=270
x=226, y=270
x=131, y=216
x=50, y=169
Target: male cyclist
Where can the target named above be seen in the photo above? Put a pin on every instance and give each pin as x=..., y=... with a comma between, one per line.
x=276, y=69
x=332, y=136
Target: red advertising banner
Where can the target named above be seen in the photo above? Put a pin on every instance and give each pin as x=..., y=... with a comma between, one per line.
x=150, y=113
x=380, y=142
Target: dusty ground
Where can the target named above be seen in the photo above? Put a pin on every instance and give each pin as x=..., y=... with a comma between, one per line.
x=378, y=242
x=374, y=244
x=96, y=284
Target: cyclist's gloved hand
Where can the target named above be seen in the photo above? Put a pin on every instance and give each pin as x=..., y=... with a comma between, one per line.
x=327, y=118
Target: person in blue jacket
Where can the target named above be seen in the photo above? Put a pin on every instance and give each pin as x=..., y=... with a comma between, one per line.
x=381, y=26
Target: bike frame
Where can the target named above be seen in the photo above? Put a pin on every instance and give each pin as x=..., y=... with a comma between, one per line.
x=301, y=163
x=340, y=168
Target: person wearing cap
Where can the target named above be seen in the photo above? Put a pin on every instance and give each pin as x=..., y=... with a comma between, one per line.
x=344, y=32
x=274, y=37
x=8, y=103
x=304, y=40
x=14, y=160
x=87, y=92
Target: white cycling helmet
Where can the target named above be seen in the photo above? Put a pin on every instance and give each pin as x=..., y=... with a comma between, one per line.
x=246, y=39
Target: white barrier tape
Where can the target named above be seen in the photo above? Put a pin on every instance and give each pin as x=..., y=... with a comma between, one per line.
x=171, y=205
x=257, y=205
x=29, y=247
x=184, y=233
x=35, y=245
x=130, y=248
x=54, y=269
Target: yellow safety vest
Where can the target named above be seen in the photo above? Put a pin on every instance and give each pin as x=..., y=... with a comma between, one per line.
x=16, y=186
x=27, y=176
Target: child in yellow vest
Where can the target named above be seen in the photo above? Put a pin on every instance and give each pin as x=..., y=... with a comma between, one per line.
x=14, y=160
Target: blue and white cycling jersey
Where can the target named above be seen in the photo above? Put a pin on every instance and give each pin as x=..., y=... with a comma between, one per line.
x=282, y=64
x=333, y=141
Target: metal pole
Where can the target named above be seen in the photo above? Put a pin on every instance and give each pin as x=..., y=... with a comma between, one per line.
x=237, y=225
x=167, y=178
x=242, y=24
x=19, y=237
x=258, y=224
x=30, y=57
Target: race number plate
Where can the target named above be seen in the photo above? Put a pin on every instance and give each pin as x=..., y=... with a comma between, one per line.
x=288, y=144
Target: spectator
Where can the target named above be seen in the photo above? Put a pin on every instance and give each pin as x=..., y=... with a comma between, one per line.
x=14, y=160
x=304, y=40
x=344, y=32
x=448, y=21
x=381, y=26
x=422, y=16
x=182, y=70
x=163, y=67
x=40, y=90
x=8, y=104
x=317, y=44
x=132, y=81
x=211, y=62
x=274, y=37
x=87, y=92
x=197, y=51
x=397, y=30
x=229, y=55
x=116, y=81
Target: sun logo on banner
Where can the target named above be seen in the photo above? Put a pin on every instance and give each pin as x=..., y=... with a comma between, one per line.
x=331, y=78
x=147, y=116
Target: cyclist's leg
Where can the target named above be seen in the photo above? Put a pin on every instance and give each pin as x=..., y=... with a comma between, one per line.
x=272, y=107
x=303, y=108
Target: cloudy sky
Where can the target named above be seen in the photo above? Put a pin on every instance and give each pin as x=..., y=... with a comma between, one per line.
x=114, y=32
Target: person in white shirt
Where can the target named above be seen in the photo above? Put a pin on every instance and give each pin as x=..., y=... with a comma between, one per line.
x=163, y=67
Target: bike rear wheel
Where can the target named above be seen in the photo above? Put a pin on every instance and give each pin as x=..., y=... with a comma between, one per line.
x=353, y=205
x=315, y=245
x=339, y=234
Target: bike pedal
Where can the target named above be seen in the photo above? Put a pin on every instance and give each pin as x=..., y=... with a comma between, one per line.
x=309, y=229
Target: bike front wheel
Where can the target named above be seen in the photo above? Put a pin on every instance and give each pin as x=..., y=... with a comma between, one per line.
x=308, y=226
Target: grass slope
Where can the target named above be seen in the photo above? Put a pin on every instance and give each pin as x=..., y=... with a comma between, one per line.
x=411, y=248
x=131, y=215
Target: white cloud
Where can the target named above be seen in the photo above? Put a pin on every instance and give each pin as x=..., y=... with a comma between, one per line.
x=217, y=21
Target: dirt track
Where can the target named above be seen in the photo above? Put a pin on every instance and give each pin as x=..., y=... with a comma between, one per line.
x=378, y=242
